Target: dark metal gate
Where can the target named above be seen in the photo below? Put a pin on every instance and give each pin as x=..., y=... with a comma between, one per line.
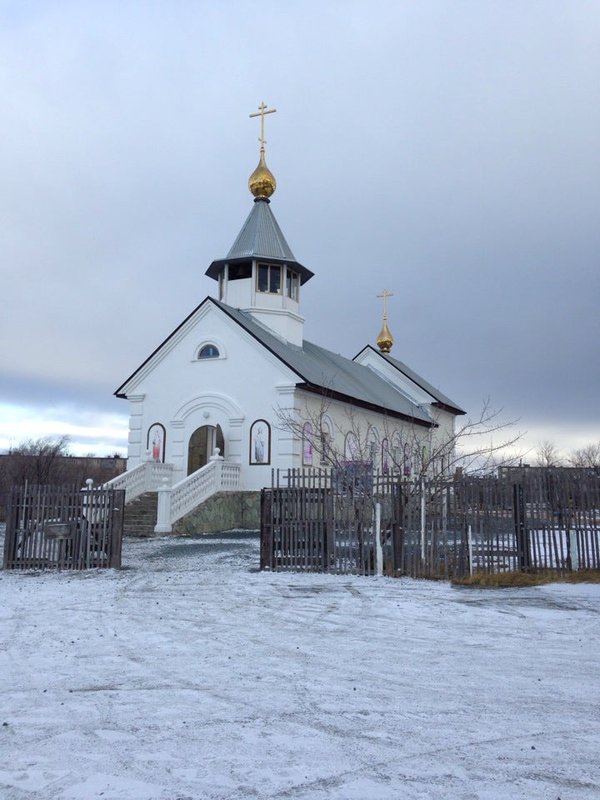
x=49, y=527
x=327, y=521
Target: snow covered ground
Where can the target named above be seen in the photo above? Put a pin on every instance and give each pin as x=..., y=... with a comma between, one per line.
x=189, y=674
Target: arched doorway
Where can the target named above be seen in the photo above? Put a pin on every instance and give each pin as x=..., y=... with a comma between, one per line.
x=202, y=445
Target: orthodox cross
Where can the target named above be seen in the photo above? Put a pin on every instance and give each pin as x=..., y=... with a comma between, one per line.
x=262, y=110
x=385, y=294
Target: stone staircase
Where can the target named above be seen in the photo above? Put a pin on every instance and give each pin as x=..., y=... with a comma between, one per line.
x=154, y=503
x=140, y=515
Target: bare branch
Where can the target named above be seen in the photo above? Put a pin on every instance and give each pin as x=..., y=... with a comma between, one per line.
x=480, y=444
x=587, y=457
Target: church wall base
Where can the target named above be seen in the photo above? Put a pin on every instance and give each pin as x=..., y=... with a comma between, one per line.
x=223, y=511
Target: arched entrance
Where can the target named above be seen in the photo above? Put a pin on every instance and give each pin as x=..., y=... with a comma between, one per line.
x=202, y=445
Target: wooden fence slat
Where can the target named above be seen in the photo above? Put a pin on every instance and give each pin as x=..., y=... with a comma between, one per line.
x=63, y=528
x=316, y=523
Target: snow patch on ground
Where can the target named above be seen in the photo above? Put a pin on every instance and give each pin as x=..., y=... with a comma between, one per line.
x=189, y=675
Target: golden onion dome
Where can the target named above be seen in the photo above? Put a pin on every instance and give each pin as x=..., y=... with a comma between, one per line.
x=262, y=182
x=385, y=340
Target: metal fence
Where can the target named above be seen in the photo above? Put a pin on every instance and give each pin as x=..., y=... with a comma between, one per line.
x=323, y=520
x=50, y=527
x=349, y=520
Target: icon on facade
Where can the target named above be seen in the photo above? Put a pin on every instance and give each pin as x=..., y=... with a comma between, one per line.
x=155, y=442
x=260, y=442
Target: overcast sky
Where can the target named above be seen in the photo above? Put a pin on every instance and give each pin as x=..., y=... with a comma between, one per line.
x=446, y=151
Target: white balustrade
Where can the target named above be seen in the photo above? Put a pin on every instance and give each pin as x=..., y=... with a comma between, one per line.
x=230, y=477
x=181, y=498
x=174, y=502
x=146, y=477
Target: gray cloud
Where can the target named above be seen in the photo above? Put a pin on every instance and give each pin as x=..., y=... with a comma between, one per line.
x=446, y=152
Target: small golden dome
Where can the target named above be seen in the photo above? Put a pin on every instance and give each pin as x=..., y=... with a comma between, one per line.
x=385, y=340
x=262, y=182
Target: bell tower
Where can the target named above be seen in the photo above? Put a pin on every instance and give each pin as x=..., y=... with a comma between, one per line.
x=260, y=273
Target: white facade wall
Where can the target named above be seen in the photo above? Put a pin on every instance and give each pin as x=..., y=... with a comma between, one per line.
x=244, y=384
x=369, y=427
x=278, y=312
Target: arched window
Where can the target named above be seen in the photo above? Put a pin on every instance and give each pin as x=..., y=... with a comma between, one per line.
x=352, y=447
x=385, y=456
x=326, y=441
x=407, y=462
x=208, y=351
x=397, y=452
x=373, y=445
x=307, y=445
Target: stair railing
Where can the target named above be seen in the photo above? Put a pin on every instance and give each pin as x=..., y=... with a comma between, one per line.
x=148, y=476
x=174, y=502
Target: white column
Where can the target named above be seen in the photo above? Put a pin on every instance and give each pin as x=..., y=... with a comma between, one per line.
x=234, y=446
x=136, y=445
x=178, y=453
x=163, y=512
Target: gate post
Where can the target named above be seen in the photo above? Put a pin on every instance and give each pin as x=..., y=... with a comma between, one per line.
x=378, y=548
x=523, y=554
x=397, y=528
x=266, y=529
x=116, y=537
x=10, y=536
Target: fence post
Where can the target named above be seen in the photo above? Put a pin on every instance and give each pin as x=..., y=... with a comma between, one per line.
x=574, y=550
x=397, y=528
x=378, y=548
x=470, y=541
x=523, y=554
x=163, y=510
x=266, y=528
x=89, y=515
x=12, y=516
x=118, y=515
x=423, y=520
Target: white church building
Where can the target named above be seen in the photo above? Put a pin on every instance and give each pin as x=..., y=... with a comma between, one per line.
x=236, y=391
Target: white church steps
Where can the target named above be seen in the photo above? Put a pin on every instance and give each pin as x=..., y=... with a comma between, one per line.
x=174, y=502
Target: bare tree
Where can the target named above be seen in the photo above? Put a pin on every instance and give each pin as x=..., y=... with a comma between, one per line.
x=478, y=444
x=37, y=461
x=588, y=456
x=547, y=454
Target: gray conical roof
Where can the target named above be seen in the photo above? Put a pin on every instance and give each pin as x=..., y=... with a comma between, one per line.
x=260, y=237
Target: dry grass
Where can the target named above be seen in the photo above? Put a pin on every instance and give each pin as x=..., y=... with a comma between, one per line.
x=502, y=580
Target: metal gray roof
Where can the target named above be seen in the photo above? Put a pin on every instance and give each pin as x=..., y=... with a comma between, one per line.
x=261, y=236
x=435, y=393
x=320, y=369
x=332, y=373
